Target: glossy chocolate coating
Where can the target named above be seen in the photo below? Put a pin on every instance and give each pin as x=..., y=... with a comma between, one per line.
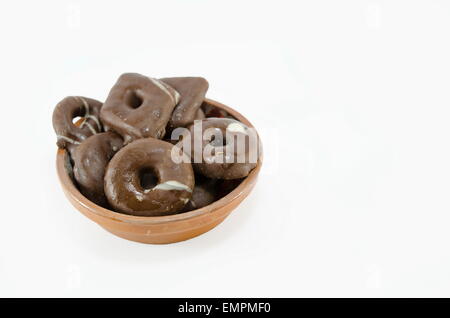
x=69, y=134
x=90, y=160
x=123, y=184
x=216, y=170
x=138, y=107
x=192, y=93
x=168, y=137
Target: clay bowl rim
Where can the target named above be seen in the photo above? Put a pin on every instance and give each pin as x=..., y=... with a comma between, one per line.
x=76, y=195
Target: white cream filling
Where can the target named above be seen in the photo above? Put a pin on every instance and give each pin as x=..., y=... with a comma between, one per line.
x=177, y=97
x=93, y=131
x=88, y=115
x=94, y=118
x=163, y=86
x=86, y=106
x=70, y=140
x=175, y=94
x=170, y=185
x=237, y=128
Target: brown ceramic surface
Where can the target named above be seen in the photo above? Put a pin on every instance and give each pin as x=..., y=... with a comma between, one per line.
x=160, y=229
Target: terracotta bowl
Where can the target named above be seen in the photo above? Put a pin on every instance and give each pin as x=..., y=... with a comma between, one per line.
x=160, y=229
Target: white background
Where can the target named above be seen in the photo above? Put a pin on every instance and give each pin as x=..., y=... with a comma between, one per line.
x=351, y=99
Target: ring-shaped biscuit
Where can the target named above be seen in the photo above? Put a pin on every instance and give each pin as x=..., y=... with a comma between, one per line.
x=123, y=179
x=231, y=157
x=68, y=134
x=138, y=107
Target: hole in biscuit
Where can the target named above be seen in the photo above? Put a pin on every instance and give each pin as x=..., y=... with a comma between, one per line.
x=133, y=99
x=148, y=178
x=218, y=142
x=76, y=119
